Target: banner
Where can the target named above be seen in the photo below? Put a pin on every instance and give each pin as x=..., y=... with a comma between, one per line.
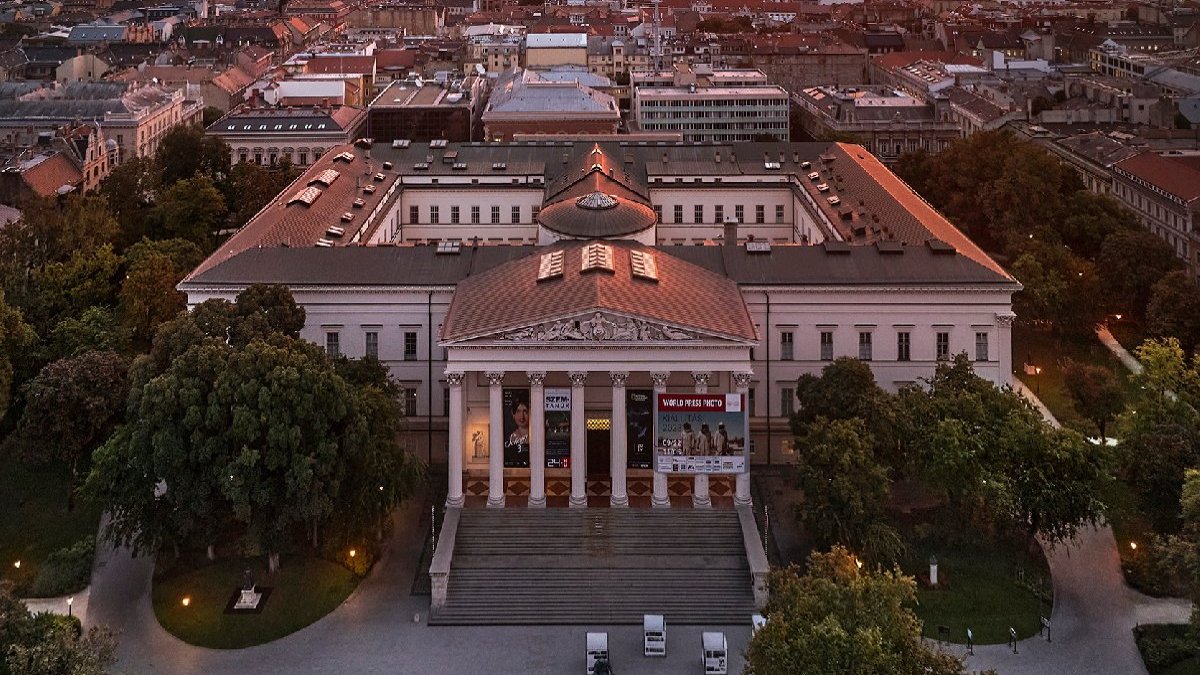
x=558, y=428
x=700, y=433
x=516, y=427
x=639, y=418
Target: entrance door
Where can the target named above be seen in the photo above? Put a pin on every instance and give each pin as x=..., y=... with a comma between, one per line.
x=598, y=452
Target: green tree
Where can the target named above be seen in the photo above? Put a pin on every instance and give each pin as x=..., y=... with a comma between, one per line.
x=1174, y=309
x=1133, y=261
x=186, y=152
x=87, y=278
x=1181, y=552
x=845, y=488
x=1096, y=392
x=252, y=186
x=148, y=296
x=95, y=329
x=1089, y=219
x=846, y=389
x=70, y=408
x=839, y=619
x=191, y=209
x=129, y=191
x=264, y=309
x=46, y=644
x=16, y=338
x=1062, y=291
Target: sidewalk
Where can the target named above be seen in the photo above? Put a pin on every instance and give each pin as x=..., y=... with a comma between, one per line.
x=1127, y=359
x=75, y=604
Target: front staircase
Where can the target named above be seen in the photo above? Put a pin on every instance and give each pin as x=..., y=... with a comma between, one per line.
x=597, y=566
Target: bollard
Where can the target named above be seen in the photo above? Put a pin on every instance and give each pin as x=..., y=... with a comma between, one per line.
x=1046, y=627
x=970, y=642
x=1012, y=637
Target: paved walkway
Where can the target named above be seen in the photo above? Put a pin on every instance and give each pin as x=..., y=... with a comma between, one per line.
x=1107, y=339
x=1019, y=387
x=75, y=604
x=374, y=632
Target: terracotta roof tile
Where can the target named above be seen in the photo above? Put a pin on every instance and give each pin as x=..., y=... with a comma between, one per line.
x=46, y=177
x=1177, y=178
x=685, y=295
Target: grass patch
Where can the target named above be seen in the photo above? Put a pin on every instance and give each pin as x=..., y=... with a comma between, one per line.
x=1168, y=649
x=35, y=523
x=304, y=590
x=1050, y=353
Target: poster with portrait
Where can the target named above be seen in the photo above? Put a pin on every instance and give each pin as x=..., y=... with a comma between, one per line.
x=558, y=428
x=516, y=427
x=700, y=433
x=639, y=418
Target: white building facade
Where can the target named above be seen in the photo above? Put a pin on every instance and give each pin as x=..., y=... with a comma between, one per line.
x=471, y=278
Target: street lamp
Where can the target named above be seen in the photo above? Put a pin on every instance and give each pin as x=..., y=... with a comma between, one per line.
x=70, y=601
x=1037, y=382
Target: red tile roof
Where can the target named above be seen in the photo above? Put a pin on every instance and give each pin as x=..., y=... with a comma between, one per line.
x=46, y=177
x=1176, y=178
x=510, y=296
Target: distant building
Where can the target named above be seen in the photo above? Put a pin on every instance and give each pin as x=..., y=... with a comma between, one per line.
x=711, y=105
x=886, y=122
x=525, y=103
x=267, y=135
x=425, y=110
x=1165, y=195
x=545, y=50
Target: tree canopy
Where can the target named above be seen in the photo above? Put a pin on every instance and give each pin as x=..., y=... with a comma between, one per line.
x=46, y=644
x=840, y=619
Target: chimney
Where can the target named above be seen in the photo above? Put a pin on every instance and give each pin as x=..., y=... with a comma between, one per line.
x=731, y=228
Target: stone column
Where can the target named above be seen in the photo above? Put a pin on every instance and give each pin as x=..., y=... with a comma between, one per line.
x=700, y=498
x=537, y=440
x=618, y=456
x=578, y=441
x=741, y=492
x=659, y=497
x=454, y=457
x=1004, y=323
x=495, y=440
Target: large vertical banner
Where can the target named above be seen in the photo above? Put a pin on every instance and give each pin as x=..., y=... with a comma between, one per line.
x=558, y=428
x=700, y=433
x=516, y=427
x=639, y=418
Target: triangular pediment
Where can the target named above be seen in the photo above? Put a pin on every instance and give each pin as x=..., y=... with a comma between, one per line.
x=599, y=327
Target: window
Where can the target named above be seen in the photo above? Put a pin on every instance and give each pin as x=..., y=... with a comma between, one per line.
x=242, y=158
x=658, y=212
x=864, y=345
x=787, y=401
x=779, y=213
x=943, y=346
x=981, y=346
x=516, y=214
x=454, y=214
x=760, y=213
x=433, y=215
x=410, y=346
x=408, y=397
x=678, y=211
x=826, y=345
x=750, y=401
x=698, y=213
x=446, y=401
x=533, y=212
x=903, y=346
x=739, y=213
x=372, y=347
x=333, y=345
x=303, y=159
x=495, y=215
x=414, y=214
x=719, y=213
x=475, y=214
x=787, y=345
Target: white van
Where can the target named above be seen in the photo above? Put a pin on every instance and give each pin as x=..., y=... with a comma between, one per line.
x=597, y=651
x=716, y=653
x=654, y=626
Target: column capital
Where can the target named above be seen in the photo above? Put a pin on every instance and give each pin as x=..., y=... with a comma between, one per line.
x=742, y=380
x=618, y=378
x=578, y=379
x=660, y=379
x=536, y=379
x=701, y=379
x=495, y=378
x=1005, y=320
x=454, y=379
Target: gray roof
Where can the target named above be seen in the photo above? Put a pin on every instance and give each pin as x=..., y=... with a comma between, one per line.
x=88, y=34
x=839, y=265
x=528, y=93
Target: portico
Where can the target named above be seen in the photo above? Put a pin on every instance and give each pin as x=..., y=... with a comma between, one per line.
x=605, y=335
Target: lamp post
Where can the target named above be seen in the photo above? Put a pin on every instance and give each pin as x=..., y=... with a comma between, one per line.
x=70, y=601
x=1037, y=382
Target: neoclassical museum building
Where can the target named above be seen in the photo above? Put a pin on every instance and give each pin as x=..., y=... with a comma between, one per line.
x=534, y=298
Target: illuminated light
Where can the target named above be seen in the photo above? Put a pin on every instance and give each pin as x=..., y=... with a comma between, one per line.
x=186, y=601
x=17, y=564
x=858, y=562
x=381, y=488
x=1118, y=317
x=1133, y=545
x=353, y=553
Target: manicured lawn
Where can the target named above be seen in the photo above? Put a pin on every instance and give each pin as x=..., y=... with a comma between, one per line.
x=1048, y=353
x=34, y=521
x=303, y=590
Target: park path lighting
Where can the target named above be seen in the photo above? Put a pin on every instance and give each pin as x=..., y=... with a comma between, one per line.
x=1133, y=545
x=17, y=564
x=353, y=553
x=186, y=601
x=70, y=601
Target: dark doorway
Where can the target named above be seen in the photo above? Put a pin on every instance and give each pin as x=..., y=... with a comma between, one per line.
x=598, y=452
